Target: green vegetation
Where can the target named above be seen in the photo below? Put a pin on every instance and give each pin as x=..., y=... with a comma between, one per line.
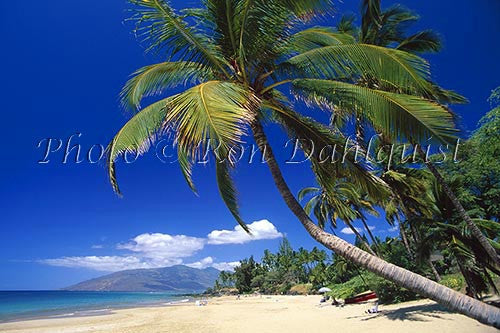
x=428, y=225
x=234, y=59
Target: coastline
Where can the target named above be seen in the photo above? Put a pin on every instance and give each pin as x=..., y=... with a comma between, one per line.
x=259, y=314
x=91, y=312
x=81, y=309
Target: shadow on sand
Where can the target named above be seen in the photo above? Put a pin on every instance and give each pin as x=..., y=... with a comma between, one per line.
x=424, y=312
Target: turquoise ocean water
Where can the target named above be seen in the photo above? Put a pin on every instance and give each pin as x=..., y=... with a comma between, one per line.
x=19, y=305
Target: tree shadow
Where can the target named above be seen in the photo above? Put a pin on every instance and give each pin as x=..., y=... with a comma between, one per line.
x=423, y=313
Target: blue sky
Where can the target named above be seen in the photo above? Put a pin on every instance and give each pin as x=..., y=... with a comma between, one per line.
x=64, y=63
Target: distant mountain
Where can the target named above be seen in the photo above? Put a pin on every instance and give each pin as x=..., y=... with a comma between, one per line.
x=176, y=278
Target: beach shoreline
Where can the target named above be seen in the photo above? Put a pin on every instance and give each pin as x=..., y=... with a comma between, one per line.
x=94, y=312
x=39, y=308
x=260, y=314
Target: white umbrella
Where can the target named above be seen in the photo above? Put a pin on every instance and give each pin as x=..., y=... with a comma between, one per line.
x=324, y=290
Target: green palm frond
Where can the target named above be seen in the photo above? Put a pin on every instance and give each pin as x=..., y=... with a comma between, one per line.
x=163, y=29
x=423, y=41
x=186, y=166
x=312, y=38
x=445, y=96
x=227, y=191
x=154, y=79
x=311, y=205
x=346, y=25
x=398, y=116
x=488, y=225
x=393, y=25
x=264, y=24
x=407, y=72
x=304, y=8
x=213, y=114
x=370, y=18
x=317, y=139
x=137, y=135
x=307, y=191
x=224, y=15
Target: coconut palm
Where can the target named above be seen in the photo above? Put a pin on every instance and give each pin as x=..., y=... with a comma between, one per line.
x=233, y=59
x=388, y=27
x=412, y=197
x=342, y=202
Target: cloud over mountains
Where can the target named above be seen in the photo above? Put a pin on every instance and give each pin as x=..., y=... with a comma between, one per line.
x=155, y=250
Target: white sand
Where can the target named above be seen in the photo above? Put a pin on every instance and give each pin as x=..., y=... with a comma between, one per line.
x=262, y=314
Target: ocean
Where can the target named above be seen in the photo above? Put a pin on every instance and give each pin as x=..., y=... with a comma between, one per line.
x=20, y=305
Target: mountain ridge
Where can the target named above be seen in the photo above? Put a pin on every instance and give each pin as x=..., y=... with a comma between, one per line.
x=177, y=278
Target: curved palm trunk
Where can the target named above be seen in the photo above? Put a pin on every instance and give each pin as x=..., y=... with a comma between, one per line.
x=404, y=238
x=361, y=239
x=434, y=270
x=449, y=298
x=481, y=238
x=416, y=237
x=367, y=228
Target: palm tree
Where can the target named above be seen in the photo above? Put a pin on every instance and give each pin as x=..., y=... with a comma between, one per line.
x=342, y=202
x=389, y=28
x=411, y=197
x=237, y=54
x=385, y=28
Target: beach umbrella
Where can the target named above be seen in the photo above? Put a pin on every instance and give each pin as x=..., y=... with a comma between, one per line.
x=324, y=290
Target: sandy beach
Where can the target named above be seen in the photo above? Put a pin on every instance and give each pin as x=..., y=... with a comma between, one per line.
x=261, y=314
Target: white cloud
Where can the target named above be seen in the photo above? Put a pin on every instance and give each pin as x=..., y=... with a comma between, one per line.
x=209, y=262
x=348, y=231
x=393, y=229
x=203, y=263
x=226, y=266
x=157, y=245
x=259, y=230
x=97, y=247
x=104, y=264
x=155, y=250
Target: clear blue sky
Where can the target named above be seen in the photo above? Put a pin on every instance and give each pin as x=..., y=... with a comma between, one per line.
x=63, y=64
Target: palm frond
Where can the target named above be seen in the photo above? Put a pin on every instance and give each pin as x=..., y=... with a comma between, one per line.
x=370, y=18
x=312, y=38
x=163, y=29
x=397, y=116
x=311, y=205
x=307, y=191
x=421, y=42
x=136, y=136
x=186, y=167
x=394, y=23
x=403, y=70
x=154, y=79
x=346, y=25
x=317, y=139
x=444, y=96
x=264, y=24
x=213, y=114
x=227, y=191
x=224, y=15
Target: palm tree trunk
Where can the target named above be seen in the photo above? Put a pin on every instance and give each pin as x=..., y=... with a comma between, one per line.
x=449, y=298
x=361, y=239
x=481, y=238
x=434, y=270
x=374, y=240
x=404, y=238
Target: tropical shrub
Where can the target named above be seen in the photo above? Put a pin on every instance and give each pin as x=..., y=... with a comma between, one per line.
x=301, y=289
x=453, y=281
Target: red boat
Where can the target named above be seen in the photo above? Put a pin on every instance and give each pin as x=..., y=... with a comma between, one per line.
x=363, y=297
